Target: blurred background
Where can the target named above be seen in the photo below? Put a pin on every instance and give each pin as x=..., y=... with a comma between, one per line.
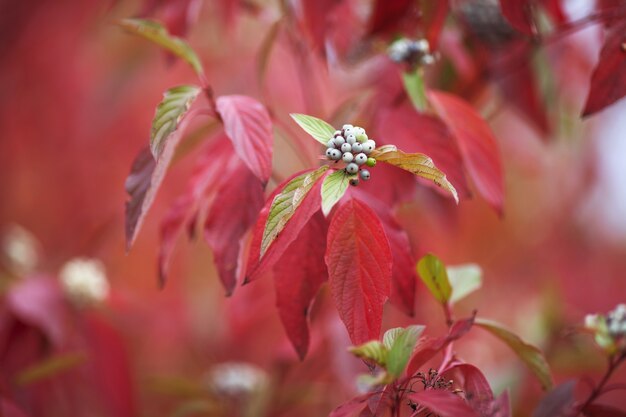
x=77, y=95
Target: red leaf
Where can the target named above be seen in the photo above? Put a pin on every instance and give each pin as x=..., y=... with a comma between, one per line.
x=501, y=406
x=211, y=165
x=237, y=204
x=608, y=81
x=433, y=16
x=313, y=19
x=386, y=14
x=298, y=276
x=308, y=207
x=477, y=145
x=429, y=349
x=558, y=402
x=517, y=12
x=404, y=278
x=600, y=410
x=350, y=408
x=359, y=263
x=111, y=367
x=443, y=403
x=249, y=127
x=414, y=132
x=39, y=302
x=476, y=389
x=9, y=409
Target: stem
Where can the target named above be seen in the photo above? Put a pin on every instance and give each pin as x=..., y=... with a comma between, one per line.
x=614, y=363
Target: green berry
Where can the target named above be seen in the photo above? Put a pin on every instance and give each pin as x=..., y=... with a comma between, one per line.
x=370, y=162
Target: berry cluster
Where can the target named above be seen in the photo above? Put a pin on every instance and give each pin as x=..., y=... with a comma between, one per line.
x=352, y=146
x=616, y=321
x=414, y=53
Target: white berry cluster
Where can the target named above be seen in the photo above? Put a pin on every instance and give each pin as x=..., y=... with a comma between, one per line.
x=84, y=281
x=352, y=146
x=412, y=52
x=610, y=329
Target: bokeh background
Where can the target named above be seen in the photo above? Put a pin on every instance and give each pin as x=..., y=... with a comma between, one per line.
x=77, y=95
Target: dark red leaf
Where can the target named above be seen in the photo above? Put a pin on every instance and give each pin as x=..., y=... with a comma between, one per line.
x=600, y=410
x=477, y=144
x=430, y=348
x=352, y=407
x=386, y=14
x=313, y=19
x=476, y=389
x=558, y=402
x=298, y=276
x=443, y=403
x=359, y=263
x=249, y=127
x=608, y=81
x=433, y=18
x=309, y=206
x=210, y=167
x=518, y=13
x=501, y=406
x=235, y=208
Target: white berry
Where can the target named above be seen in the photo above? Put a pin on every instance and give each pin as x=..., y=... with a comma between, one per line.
x=351, y=139
x=352, y=168
x=346, y=147
x=365, y=174
x=348, y=131
x=339, y=140
x=330, y=144
x=334, y=154
x=360, y=159
x=347, y=126
x=347, y=157
x=357, y=147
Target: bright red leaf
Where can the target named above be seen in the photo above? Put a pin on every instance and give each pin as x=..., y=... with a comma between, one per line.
x=359, y=263
x=248, y=125
x=404, y=279
x=518, y=13
x=234, y=210
x=443, y=403
x=608, y=81
x=477, y=144
x=476, y=389
x=386, y=14
x=307, y=208
x=352, y=407
x=298, y=276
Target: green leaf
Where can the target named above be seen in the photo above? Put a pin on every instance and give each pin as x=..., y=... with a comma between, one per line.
x=319, y=129
x=333, y=188
x=464, y=280
x=156, y=33
x=433, y=273
x=416, y=163
x=286, y=203
x=391, y=335
x=403, y=344
x=529, y=354
x=170, y=111
x=415, y=88
x=373, y=351
x=50, y=367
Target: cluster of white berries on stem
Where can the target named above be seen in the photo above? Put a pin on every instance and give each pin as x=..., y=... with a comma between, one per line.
x=352, y=146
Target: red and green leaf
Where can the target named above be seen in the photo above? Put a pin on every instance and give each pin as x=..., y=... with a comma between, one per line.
x=359, y=263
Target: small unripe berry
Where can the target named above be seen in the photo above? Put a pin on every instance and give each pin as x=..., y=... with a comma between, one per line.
x=365, y=174
x=346, y=147
x=354, y=181
x=352, y=168
x=333, y=154
x=361, y=137
x=339, y=140
x=360, y=159
x=347, y=157
x=351, y=139
x=357, y=148
x=370, y=162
